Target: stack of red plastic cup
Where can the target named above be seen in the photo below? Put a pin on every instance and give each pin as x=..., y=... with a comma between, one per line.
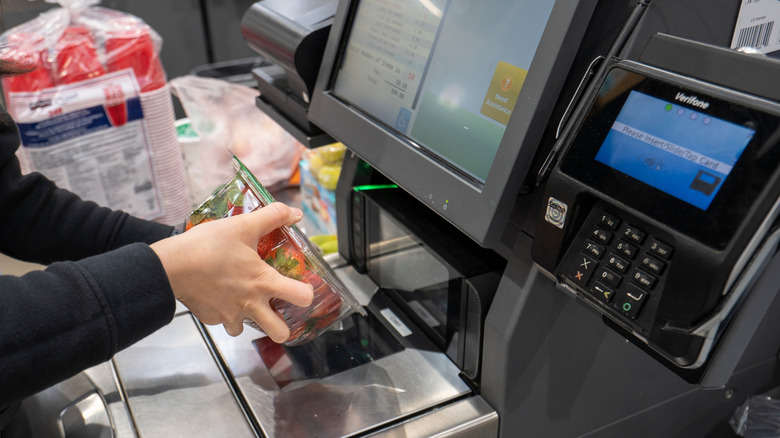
x=134, y=48
x=77, y=57
x=28, y=53
x=128, y=45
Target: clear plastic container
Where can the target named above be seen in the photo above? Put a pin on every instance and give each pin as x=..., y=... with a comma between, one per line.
x=289, y=252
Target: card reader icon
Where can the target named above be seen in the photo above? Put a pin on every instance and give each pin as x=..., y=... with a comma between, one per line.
x=705, y=182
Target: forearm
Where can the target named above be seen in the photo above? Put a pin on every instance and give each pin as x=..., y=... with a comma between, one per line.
x=57, y=322
x=43, y=224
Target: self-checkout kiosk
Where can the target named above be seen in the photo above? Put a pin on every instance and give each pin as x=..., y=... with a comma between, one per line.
x=559, y=216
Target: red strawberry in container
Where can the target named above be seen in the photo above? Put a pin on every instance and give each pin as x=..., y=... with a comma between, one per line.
x=326, y=305
x=326, y=310
x=288, y=261
x=287, y=251
x=270, y=241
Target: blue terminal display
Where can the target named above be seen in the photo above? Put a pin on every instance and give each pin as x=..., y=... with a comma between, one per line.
x=676, y=149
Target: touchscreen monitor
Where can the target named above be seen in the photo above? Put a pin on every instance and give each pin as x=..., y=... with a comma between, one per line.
x=676, y=149
x=432, y=71
x=450, y=99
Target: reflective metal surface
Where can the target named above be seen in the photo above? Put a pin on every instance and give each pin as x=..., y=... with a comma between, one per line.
x=175, y=388
x=86, y=418
x=89, y=404
x=387, y=380
x=357, y=400
x=469, y=418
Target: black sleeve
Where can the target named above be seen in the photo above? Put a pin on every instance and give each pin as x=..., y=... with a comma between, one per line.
x=111, y=292
x=42, y=223
x=73, y=315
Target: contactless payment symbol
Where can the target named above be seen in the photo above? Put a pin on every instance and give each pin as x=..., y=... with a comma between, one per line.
x=556, y=212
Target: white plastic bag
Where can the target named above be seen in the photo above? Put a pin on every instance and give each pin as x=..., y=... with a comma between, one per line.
x=81, y=41
x=94, y=110
x=758, y=416
x=225, y=117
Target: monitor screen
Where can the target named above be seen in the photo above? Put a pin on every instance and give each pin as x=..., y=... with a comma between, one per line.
x=430, y=71
x=449, y=98
x=676, y=149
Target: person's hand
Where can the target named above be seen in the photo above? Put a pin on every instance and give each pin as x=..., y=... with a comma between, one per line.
x=215, y=271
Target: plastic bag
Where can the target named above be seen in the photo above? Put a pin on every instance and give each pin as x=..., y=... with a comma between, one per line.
x=81, y=41
x=287, y=250
x=758, y=416
x=225, y=116
x=94, y=111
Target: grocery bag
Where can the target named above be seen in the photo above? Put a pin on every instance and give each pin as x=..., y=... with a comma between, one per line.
x=94, y=109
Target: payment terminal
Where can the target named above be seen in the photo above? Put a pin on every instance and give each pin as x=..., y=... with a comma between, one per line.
x=662, y=203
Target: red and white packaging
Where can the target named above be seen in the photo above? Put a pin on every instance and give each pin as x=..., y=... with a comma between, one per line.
x=94, y=108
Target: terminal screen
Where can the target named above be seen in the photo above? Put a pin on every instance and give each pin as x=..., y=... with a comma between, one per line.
x=676, y=149
x=444, y=73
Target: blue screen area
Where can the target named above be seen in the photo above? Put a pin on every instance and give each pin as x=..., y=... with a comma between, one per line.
x=682, y=152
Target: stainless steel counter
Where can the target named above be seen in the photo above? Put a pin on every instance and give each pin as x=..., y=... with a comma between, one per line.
x=175, y=388
x=196, y=381
x=411, y=379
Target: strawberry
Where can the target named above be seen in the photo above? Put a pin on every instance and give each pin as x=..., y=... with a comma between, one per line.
x=325, y=321
x=295, y=332
x=327, y=310
x=191, y=224
x=288, y=261
x=326, y=306
x=234, y=210
x=270, y=241
x=316, y=282
x=294, y=317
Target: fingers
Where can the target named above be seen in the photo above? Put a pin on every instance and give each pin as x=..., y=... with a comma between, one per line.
x=234, y=328
x=264, y=319
x=264, y=220
x=271, y=322
x=290, y=290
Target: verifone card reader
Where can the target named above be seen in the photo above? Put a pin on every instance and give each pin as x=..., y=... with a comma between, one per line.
x=664, y=195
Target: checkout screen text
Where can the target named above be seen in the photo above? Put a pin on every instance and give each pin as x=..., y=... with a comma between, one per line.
x=445, y=73
x=682, y=152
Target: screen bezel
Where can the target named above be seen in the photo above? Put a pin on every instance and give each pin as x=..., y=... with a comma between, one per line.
x=718, y=224
x=480, y=210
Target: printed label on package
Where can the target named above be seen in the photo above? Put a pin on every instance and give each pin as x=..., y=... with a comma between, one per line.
x=756, y=27
x=91, y=138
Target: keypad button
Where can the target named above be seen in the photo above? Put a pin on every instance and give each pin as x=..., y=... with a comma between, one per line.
x=582, y=269
x=634, y=234
x=626, y=249
x=609, y=221
x=603, y=292
x=602, y=235
x=618, y=263
x=661, y=249
x=629, y=301
x=643, y=279
x=609, y=277
x=595, y=249
x=652, y=264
